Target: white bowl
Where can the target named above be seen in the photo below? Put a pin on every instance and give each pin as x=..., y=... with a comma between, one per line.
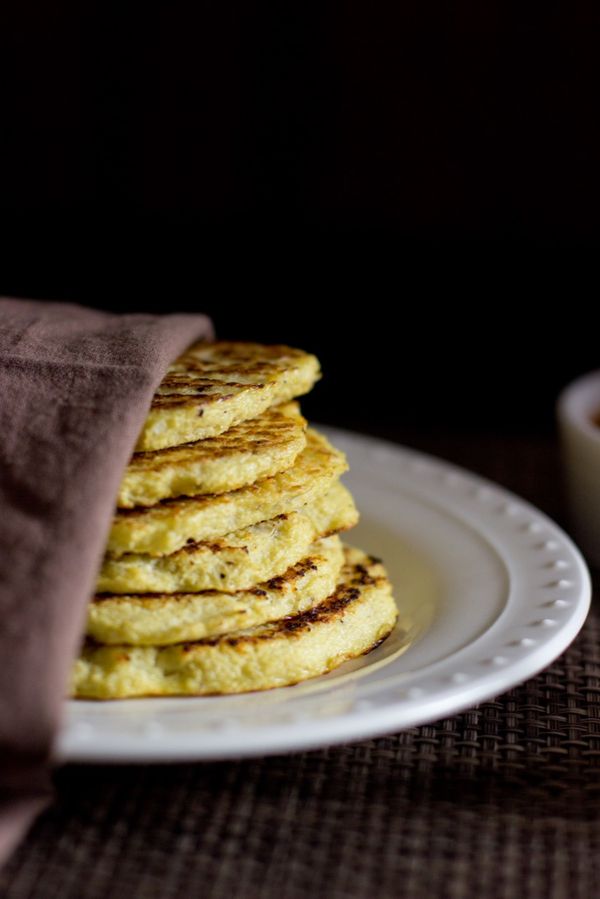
x=578, y=410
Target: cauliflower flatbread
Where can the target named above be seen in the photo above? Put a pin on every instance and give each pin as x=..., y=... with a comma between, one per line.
x=159, y=619
x=358, y=615
x=242, y=455
x=214, y=386
x=238, y=560
x=167, y=526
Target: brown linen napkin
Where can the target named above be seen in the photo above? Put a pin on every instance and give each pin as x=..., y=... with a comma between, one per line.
x=75, y=387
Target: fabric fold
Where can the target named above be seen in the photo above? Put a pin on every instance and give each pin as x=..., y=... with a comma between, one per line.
x=75, y=387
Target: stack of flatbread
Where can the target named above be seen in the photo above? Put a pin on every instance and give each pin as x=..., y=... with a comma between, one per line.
x=224, y=571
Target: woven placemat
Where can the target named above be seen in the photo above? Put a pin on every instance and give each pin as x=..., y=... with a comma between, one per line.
x=500, y=801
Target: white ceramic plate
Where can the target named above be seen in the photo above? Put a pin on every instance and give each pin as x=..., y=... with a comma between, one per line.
x=490, y=591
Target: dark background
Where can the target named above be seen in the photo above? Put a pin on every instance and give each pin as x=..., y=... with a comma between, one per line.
x=411, y=190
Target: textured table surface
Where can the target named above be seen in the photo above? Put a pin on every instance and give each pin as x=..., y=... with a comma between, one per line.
x=500, y=801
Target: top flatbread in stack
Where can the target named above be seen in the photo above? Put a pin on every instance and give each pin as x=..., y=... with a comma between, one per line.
x=214, y=386
x=224, y=571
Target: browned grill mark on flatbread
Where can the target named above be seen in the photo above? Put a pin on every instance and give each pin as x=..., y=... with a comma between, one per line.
x=213, y=380
x=214, y=386
x=331, y=608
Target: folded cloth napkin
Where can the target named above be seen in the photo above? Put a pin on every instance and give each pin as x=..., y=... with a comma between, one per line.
x=75, y=387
